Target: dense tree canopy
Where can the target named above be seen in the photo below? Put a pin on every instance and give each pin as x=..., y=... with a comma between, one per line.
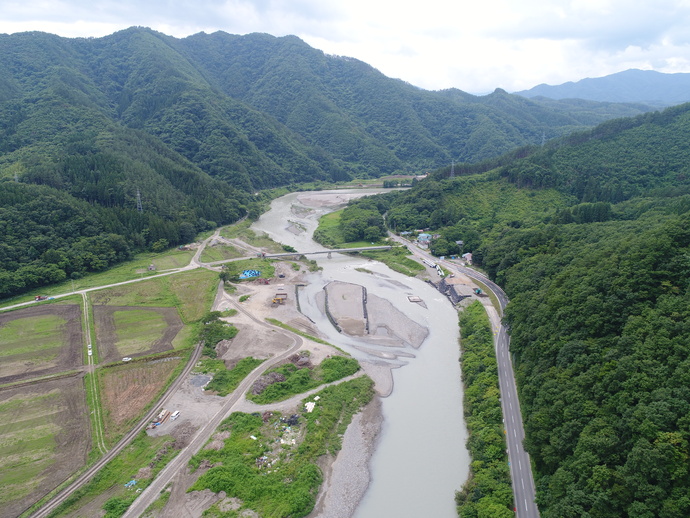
x=599, y=314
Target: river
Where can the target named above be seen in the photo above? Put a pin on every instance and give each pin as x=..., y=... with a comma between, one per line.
x=420, y=458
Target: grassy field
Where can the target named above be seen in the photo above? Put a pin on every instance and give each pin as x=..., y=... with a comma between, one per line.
x=265, y=266
x=154, y=452
x=39, y=340
x=43, y=439
x=220, y=253
x=190, y=292
x=137, y=330
x=137, y=268
x=243, y=231
x=397, y=259
x=38, y=335
x=27, y=442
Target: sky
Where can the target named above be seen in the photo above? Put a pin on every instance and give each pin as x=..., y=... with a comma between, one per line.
x=476, y=46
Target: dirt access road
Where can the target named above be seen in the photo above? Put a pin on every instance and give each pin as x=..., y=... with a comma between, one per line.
x=237, y=398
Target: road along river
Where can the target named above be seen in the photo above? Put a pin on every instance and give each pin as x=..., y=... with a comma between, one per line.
x=420, y=458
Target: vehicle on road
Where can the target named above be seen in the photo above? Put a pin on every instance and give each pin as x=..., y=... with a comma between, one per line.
x=126, y=359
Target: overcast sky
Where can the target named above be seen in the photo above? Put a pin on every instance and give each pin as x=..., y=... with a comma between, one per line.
x=475, y=46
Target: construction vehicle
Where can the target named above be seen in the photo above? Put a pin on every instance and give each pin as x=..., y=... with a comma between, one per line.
x=280, y=298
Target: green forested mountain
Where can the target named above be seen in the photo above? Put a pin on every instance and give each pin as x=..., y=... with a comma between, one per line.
x=590, y=238
x=195, y=126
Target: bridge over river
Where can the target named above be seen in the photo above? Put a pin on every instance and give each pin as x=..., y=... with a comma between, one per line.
x=298, y=254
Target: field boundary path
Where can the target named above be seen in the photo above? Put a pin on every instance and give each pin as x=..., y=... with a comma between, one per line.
x=93, y=381
x=83, y=478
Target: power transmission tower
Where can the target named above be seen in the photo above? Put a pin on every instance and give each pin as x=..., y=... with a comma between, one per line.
x=139, y=206
x=452, y=169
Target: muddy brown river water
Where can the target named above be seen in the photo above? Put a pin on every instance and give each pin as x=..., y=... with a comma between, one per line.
x=420, y=458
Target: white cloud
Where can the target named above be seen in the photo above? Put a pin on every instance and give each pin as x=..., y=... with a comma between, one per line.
x=474, y=46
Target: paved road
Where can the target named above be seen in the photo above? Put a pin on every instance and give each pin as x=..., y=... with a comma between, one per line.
x=520, y=466
x=152, y=492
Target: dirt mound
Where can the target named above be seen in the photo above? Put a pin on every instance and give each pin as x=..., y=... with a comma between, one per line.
x=183, y=434
x=264, y=381
x=301, y=360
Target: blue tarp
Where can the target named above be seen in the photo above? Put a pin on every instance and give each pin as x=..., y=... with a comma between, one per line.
x=250, y=273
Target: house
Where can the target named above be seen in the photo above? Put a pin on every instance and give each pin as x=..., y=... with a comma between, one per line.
x=424, y=239
x=467, y=257
x=455, y=288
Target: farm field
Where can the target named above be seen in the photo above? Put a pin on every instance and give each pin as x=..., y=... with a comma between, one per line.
x=40, y=340
x=190, y=292
x=44, y=438
x=131, y=331
x=135, y=269
x=127, y=389
x=220, y=253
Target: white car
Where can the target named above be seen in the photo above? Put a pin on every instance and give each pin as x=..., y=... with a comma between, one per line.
x=126, y=359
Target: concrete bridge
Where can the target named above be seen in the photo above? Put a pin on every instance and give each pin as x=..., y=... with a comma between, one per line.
x=296, y=255
x=329, y=252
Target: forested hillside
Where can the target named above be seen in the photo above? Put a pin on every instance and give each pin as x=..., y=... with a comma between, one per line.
x=590, y=238
x=193, y=127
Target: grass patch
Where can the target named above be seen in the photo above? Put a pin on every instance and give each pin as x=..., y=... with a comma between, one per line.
x=27, y=442
x=190, y=292
x=41, y=440
x=185, y=338
x=226, y=381
x=37, y=335
x=298, y=380
x=137, y=268
x=258, y=239
x=137, y=330
x=212, y=330
x=154, y=452
x=232, y=271
x=159, y=503
x=220, y=253
x=172, y=259
x=328, y=232
x=275, y=479
x=397, y=259
x=492, y=296
x=92, y=399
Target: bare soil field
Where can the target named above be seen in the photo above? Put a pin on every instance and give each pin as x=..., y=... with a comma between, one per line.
x=126, y=389
x=44, y=438
x=111, y=350
x=42, y=352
